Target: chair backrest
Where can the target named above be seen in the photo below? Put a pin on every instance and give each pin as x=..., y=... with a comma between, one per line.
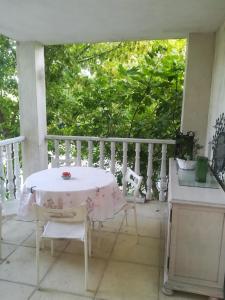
x=68, y=215
x=58, y=162
x=134, y=180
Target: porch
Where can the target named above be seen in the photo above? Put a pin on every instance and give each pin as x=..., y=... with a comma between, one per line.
x=120, y=268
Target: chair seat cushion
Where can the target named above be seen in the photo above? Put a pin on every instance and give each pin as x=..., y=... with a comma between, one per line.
x=57, y=230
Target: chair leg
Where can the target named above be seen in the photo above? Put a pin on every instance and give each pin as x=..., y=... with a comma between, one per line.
x=89, y=242
x=37, y=255
x=100, y=225
x=125, y=211
x=135, y=222
x=93, y=225
x=86, y=263
x=52, y=247
x=42, y=244
x=0, y=232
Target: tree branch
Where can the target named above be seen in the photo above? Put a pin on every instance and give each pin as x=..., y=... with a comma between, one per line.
x=99, y=54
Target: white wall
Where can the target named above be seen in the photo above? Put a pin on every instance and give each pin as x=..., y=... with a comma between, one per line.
x=197, y=86
x=217, y=100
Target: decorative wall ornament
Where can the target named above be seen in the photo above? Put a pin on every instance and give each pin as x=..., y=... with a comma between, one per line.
x=218, y=148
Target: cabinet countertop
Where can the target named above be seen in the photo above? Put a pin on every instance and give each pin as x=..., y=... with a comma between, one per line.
x=192, y=195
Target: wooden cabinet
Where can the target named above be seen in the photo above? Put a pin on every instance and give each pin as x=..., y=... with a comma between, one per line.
x=195, y=243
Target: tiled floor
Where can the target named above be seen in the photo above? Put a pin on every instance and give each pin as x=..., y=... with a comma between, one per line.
x=120, y=269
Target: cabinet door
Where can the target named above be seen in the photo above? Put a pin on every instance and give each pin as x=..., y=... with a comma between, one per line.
x=197, y=247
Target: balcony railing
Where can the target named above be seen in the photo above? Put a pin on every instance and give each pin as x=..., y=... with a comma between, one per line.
x=10, y=168
x=109, y=153
x=82, y=150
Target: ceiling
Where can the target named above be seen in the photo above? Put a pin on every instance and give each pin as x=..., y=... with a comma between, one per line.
x=73, y=21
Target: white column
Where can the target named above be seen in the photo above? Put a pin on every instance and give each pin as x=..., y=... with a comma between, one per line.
x=197, y=85
x=31, y=75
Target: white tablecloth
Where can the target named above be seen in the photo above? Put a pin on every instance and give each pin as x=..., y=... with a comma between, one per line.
x=93, y=186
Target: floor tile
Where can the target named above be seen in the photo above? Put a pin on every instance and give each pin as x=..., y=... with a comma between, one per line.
x=20, y=266
x=7, y=249
x=150, y=209
x=146, y=226
x=11, y=291
x=55, y=295
x=16, y=231
x=112, y=225
x=127, y=281
x=102, y=244
x=67, y=274
x=145, y=251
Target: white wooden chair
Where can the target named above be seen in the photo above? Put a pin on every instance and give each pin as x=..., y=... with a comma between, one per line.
x=133, y=182
x=58, y=162
x=71, y=223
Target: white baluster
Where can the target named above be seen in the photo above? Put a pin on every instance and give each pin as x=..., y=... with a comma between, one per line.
x=68, y=152
x=124, y=170
x=55, y=159
x=137, y=158
x=102, y=154
x=79, y=153
x=149, y=172
x=2, y=176
x=90, y=153
x=9, y=172
x=137, y=162
x=113, y=149
x=17, y=169
x=163, y=180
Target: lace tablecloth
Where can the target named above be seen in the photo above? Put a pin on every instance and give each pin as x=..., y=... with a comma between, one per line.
x=93, y=186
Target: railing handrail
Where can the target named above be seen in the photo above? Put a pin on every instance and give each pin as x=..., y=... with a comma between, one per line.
x=111, y=139
x=12, y=140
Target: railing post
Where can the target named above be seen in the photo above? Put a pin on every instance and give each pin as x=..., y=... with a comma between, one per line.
x=102, y=154
x=90, y=153
x=113, y=148
x=163, y=180
x=137, y=158
x=55, y=159
x=2, y=176
x=78, y=153
x=124, y=170
x=67, y=152
x=17, y=169
x=149, y=172
x=9, y=172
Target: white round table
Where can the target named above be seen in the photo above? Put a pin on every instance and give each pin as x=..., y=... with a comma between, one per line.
x=93, y=186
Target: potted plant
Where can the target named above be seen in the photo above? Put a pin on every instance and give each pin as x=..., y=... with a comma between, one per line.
x=186, y=150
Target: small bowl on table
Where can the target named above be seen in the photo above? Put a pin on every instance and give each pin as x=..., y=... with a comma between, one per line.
x=66, y=175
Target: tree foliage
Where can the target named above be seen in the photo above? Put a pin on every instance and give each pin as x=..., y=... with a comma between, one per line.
x=129, y=89
x=9, y=116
